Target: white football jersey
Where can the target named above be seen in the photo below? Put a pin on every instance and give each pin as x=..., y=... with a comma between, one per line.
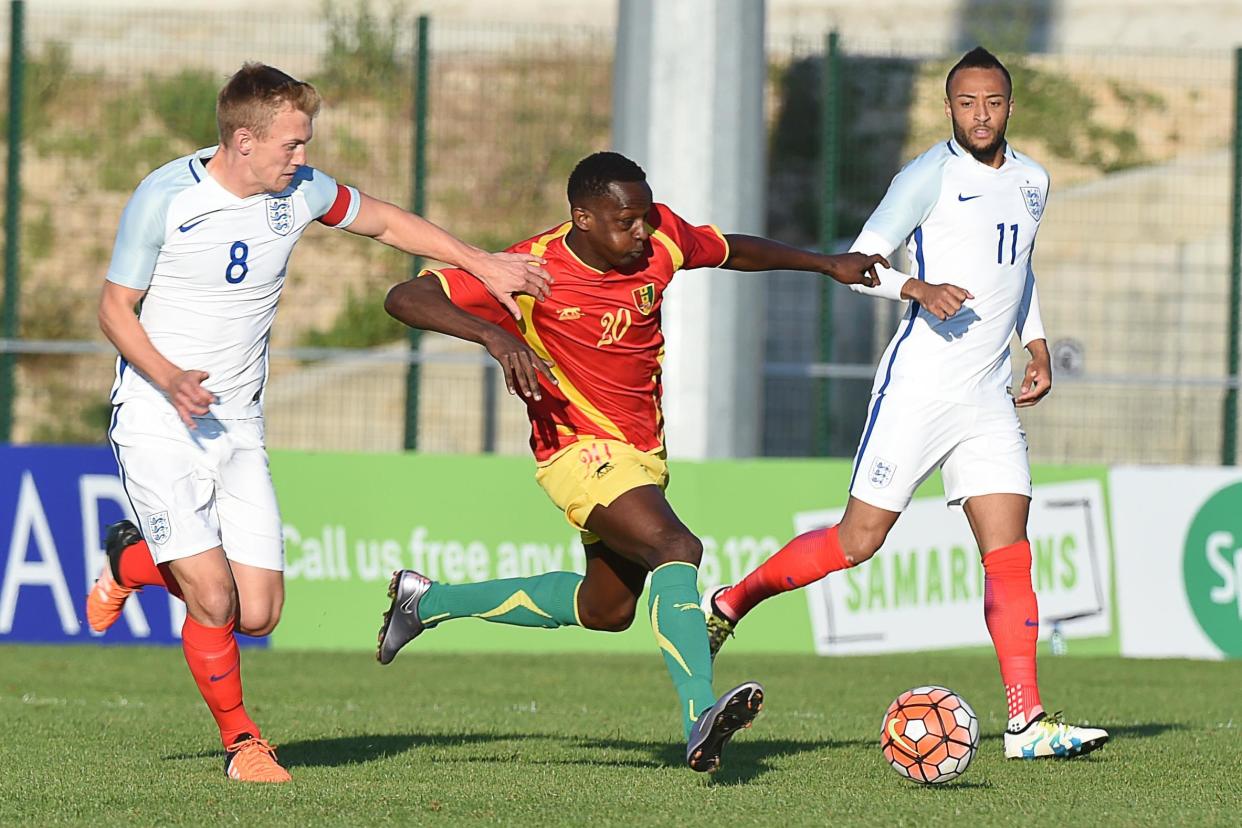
x=971, y=225
x=213, y=266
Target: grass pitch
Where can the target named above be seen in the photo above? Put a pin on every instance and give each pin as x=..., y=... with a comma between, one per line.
x=108, y=735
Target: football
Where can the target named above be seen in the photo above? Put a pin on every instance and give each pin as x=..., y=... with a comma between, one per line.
x=929, y=735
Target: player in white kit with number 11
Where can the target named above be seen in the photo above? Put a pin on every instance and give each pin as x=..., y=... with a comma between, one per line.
x=203, y=245
x=969, y=209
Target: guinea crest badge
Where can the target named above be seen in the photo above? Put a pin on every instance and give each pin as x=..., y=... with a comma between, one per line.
x=280, y=215
x=159, y=528
x=1034, y=201
x=645, y=298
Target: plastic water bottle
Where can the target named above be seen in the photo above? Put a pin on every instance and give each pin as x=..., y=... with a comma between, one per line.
x=1057, y=640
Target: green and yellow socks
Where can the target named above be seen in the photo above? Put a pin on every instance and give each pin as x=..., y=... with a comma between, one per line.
x=680, y=632
x=549, y=600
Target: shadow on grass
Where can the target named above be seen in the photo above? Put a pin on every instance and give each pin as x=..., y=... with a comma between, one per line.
x=1141, y=731
x=745, y=759
x=749, y=759
x=351, y=750
x=952, y=785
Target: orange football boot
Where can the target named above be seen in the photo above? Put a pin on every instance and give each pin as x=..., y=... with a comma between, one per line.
x=254, y=760
x=107, y=596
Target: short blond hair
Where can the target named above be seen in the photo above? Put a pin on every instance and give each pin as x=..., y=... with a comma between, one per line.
x=255, y=94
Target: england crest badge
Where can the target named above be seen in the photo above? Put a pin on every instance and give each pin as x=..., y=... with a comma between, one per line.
x=159, y=528
x=280, y=215
x=1033, y=198
x=881, y=472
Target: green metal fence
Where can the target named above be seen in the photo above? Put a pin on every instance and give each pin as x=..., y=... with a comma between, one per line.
x=12, y=216
x=477, y=127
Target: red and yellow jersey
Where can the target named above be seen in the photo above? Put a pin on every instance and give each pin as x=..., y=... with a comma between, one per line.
x=599, y=330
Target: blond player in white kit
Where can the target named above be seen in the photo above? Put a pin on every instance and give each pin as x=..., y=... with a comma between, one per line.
x=203, y=244
x=969, y=209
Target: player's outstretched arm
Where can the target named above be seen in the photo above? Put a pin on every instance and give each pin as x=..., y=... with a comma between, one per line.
x=504, y=274
x=118, y=322
x=421, y=303
x=756, y=253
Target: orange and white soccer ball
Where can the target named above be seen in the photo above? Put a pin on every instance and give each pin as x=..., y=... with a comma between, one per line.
x=930, y=734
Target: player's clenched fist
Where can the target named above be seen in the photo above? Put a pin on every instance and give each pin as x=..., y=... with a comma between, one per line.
x=942, y=301
x=522, y=366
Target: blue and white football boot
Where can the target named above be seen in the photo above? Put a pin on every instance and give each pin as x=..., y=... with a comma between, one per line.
x=1049, y=737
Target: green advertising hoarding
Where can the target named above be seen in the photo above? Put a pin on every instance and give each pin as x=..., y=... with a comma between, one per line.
x=351, y=519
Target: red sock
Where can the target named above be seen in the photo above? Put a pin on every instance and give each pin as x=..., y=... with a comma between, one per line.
x=802, y=561
x=138, y=569
x=215, y=664
x=1012, y=615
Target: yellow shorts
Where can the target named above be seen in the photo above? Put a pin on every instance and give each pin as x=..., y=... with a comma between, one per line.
x=594, y=473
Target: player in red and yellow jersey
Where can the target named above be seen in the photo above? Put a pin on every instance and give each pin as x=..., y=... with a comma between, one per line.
x=587, y=361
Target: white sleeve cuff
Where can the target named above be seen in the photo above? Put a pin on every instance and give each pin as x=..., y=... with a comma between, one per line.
x=891, y=281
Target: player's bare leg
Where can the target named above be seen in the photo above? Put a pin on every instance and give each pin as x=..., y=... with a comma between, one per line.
x=1012, y=614
x=641, y=526
x=260, y=598
x=211, y=651
x=608, y=598
x=804, y=560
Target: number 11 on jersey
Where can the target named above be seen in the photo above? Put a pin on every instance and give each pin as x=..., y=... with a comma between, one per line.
x=1013, y=244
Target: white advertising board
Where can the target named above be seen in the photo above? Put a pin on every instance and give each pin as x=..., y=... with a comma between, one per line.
x=1178, y=534
x=924, y=588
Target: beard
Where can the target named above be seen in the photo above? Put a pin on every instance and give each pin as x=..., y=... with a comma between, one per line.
x=982, y=154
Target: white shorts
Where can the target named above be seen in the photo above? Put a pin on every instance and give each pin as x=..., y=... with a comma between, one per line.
x=195, y=490
x=981, y=449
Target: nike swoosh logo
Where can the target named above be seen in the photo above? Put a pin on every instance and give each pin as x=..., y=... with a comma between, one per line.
x=226, y=672
x=185, y=228
x=961, y=197
x=896, y=737
x=693, y=716
x=1031, y=623
x=408, y=606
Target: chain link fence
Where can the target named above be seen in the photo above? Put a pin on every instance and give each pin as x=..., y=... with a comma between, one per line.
x=111, y=95
x=1133, y=258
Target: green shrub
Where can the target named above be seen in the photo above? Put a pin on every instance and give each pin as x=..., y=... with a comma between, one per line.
x=39, y=236
x=185, y=103
x=81, y=417
x=362, y=323
x=44, y=79
x=361, y=59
